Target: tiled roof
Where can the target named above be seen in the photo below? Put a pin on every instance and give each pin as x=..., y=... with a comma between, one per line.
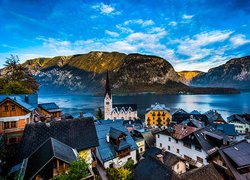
x=237, y=156
x=28, y=101
x=194, y=112
x=122, y=145
x=115, y=133
x=106, y=149
x=79, y=134
x=51, y=107
x=181, y=131
x=152, y=152
x=205, y=142
x=157, y=107
x=170, y=159
x=124, y=107
x=41, y=156
x=147, y=136
x=151, y=169
x=227, y=129
x=207, y=172
x=194, y=123
x=237, y=117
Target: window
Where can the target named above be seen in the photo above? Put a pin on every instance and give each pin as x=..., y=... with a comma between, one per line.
x=158, y=136
x=169, y=148
x=13, y=124
x=177, y=166
x=107, y=103
x=199, y=159
x=187, y=145
x=197, y=148
x=178, y=151
x=13, y=107
x=6, y=108
x=8, y=125
x=169, y=139
x=140, y=149
x=160, y=144
x=176, y=141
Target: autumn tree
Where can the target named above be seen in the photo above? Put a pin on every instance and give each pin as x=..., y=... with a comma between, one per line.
x=16, y=79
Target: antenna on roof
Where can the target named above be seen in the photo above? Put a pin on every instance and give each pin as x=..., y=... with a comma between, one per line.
x=236, y=148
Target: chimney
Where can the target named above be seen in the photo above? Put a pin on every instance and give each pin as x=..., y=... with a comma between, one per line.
x=26, y=98
x=81, y=114
x=107, y=137
x=160, y=157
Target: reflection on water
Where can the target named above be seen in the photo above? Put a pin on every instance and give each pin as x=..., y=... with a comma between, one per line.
x=225, y=104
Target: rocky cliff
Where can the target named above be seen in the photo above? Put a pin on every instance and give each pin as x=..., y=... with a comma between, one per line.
x=235, y=73
x=188, y=75
x=132, y=73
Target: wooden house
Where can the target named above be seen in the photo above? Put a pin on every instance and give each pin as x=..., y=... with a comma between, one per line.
x=15, y=112
x=50, y=111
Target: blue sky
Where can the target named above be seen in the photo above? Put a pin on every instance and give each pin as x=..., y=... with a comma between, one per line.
x=190, y=34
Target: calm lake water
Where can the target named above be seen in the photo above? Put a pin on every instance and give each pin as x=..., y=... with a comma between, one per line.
x=225, y=104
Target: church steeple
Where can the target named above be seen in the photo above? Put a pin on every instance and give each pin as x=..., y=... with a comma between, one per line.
x=107, y=100
x=107, y=90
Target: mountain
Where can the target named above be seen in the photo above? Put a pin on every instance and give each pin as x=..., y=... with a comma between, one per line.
x=188, y=75
x=234, y=74
x=132, y=73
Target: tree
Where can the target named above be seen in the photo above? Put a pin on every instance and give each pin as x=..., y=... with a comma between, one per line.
x=99, y=114
x=78, y=170
x=124, y=173
x=16, y=79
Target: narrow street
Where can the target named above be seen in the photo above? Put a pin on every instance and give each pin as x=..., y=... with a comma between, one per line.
x=101, y=171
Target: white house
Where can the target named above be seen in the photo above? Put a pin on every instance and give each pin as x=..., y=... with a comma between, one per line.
x=190, y=143
x=117, y=111
x=116, y=146
x=240, y=122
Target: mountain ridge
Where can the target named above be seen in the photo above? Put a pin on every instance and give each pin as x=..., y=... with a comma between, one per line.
x=132, y=73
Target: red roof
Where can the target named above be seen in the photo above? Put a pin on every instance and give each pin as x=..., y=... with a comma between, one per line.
x=181, y=131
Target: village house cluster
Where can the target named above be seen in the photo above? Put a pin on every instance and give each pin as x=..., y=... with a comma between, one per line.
x=167, y=144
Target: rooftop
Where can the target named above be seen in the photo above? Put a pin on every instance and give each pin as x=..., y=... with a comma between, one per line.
x=50, y=149
x=106, y=149
x=79, y=134
x=51, y=107
x=158, y=107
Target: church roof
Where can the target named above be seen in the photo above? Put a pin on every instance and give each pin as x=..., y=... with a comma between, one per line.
x=107, y=88
x=124, y=107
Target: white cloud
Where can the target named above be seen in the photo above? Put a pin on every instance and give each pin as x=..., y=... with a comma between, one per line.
x=139, y=21
x=238, y=40
x=105, y=9
x=172, y=23
x=124, y=29
x=195, y=47
x=111, y=33
x=185, y=16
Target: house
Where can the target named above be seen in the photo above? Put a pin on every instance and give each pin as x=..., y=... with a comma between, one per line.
x=170, y=160
x=140, y=142
x=133, y=124
x=240, y=122
x=233, y=161
x=152, y=168
x=228, y=129
x=158, y=115
x=207, y=172
x=148, y=137
x=191, y=143
x=50, y=111
x=193, y=122
x=214, y=117
x=180, y=115
x=15, y=112
x=80, y=134
x=117, y=111
x=50, y=159
x=116, y=146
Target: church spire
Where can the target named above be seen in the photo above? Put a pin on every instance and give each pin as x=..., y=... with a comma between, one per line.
x=107, y=90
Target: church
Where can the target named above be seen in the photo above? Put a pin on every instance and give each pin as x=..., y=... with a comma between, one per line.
x=117, y=111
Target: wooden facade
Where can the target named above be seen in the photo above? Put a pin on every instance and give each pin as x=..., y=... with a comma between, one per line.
x=13, y=118
x=48, y=114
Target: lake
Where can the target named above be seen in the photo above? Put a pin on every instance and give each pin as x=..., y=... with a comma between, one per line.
x=225, y=104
